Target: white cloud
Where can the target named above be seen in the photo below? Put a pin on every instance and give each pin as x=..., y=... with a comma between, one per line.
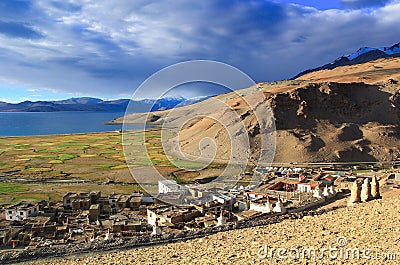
x=356, y=4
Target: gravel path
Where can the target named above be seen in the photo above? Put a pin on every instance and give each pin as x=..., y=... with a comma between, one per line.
x=373, y=225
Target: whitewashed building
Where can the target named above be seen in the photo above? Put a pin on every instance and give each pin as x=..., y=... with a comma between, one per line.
x=21, y=211
x=397, y=177
x=307, y=187
x=227, y=200
x=262, y=205
x=166, y=185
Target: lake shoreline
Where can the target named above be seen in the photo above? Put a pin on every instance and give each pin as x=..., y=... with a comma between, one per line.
x=58, y=134
x=14, y=124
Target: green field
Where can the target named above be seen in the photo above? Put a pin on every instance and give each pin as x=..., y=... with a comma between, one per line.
x=81, y=156
x=95, y=158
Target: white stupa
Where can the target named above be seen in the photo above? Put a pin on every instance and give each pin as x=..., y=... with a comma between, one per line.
x=366, y=191
x=317, y=192
x=326, y=193
x=108, y=235
x=221, y=220
x=279, y=208
x=156, y=230
x=268, y=206
x=332, y=190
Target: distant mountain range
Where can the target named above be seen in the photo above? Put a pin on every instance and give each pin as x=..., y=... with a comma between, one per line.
x=95, y=104
x=362, y=55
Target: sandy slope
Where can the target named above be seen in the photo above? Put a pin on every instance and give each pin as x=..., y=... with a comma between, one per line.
x=370, y=73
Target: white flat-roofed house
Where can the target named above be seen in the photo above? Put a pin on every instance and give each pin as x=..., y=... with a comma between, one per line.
x=263, y=205
x=21, y=211
x=166, y=185
x=307, y=187
x=227, y=200
x=163, y=215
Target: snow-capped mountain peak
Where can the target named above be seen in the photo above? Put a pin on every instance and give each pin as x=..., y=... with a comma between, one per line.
x=362, y=55
x=395, y=49
x=360, y=52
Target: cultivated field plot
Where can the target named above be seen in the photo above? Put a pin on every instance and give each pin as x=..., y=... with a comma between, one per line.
x=46, y=167
x=80, y=156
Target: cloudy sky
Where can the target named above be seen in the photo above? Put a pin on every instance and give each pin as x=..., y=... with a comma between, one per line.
x=104, y=48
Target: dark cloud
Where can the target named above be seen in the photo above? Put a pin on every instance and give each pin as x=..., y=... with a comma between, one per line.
x=357, y=4
x=300, y=39
x=19, y=30
x=66, y=6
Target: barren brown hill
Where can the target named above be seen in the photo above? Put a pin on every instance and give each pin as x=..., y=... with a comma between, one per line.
x=372, y=72
x=351, y=113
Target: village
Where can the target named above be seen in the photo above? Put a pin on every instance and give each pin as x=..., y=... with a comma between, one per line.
x=92, y=217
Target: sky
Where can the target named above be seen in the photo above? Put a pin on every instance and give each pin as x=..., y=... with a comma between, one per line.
x=103, y=48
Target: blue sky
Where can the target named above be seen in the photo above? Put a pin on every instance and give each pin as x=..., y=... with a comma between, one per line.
x=60, y=49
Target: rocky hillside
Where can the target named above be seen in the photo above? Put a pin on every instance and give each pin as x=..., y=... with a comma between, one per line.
x=327, y=116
